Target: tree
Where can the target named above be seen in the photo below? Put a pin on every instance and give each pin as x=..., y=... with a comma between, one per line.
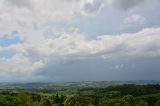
x=142, y=103
x=9, y=101
x=157, y=103
x=129, y=100
x=62, y=99
x=57, y=99
x=45, y=102
x=104, y=101
x=36, y=103
x=77, y=100
x=25, y=99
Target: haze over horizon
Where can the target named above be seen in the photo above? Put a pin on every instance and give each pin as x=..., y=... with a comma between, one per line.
x=79, y=40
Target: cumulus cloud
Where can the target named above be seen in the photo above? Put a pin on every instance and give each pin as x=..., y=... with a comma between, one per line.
x=76, y=46
x=18, y=68
x=34, y=51
x=126, y=4
x=20, y=15
x=23, y=15
x=19, y=3
x=135, y=19
x=94, y=6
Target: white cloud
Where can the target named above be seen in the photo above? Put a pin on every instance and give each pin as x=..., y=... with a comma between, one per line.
x=20, y=15
x=19, y=68
x=143, y=43
x=135, y=19
x=37, y=51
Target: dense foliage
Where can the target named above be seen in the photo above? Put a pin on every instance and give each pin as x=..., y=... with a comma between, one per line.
x=122, y=95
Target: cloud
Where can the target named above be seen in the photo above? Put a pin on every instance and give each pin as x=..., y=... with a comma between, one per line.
x=102, y=69
x=31, y=56
x=18, y=68
x=78, y=45
x=22, y=15
x=94, y=6
x=135, y=19
x=126, y=4
x=32, y=51
x=19, y=3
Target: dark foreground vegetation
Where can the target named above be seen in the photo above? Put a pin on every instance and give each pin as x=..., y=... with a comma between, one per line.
x=117, y=95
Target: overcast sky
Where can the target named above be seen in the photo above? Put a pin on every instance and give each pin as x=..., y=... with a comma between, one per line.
x=79, y=40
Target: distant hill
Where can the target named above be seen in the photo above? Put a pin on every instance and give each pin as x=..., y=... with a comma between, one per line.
x=66, y=85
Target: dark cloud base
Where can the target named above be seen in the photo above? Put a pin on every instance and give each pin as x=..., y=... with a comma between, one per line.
x=103, y=70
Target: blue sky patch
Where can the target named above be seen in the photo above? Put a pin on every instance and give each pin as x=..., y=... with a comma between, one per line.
x=6, y=54
x=6, y=41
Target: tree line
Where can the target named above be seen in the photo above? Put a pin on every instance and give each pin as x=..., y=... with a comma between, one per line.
x=123, y=95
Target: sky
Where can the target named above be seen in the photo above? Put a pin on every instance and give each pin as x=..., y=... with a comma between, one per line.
x=79, y=40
